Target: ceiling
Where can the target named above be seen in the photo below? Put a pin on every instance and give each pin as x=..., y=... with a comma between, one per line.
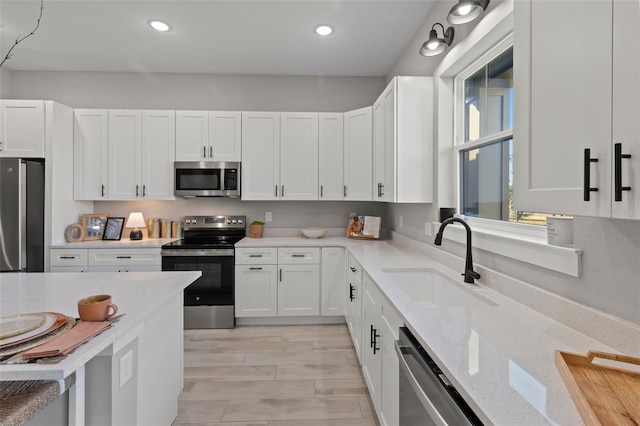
x=259, y=37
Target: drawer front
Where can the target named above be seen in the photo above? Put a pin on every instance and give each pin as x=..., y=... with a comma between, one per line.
x=257, y=256
x=125, y=257
x=68, y=257
x=390, y=316
x=298, y=255
x=68, y=269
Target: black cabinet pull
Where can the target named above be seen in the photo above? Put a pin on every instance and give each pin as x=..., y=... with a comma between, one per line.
x=352, y=269
x=255, y=268
x=280, y=274
x=617, y=170
x=137, y=190
x=67, y=257
x=345, y=191
x=375, y=341
x=204, y=151
x=255, y=255
x=282, y=191
x=297, y=255
x=321, y=191
x=371, y=337
x=587, y=174
x=123, y=257
x=276, y=191
x=211, y=151
x=351, y=288
x=379, y=190
x=102, y=190
x=382, y=190
x=144, y=190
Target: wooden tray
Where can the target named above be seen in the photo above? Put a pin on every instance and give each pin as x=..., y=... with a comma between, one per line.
x=603, y=394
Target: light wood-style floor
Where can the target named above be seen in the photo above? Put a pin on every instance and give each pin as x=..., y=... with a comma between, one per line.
x=273, y=375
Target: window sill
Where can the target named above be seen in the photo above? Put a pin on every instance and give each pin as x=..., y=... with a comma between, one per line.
x=525, y=248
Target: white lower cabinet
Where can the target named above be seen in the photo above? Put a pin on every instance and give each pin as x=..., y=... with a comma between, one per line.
x=274, y=281
x=105, y=260
x=333, y=277
x=353, y=309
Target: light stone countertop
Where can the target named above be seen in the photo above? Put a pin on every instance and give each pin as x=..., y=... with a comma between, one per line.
x=123, y=243
x=137, y=295
x=499, y=355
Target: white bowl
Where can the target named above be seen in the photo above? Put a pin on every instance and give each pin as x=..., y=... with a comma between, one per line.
x=313, y=232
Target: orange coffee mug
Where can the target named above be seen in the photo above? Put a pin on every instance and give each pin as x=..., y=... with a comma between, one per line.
x=96, y=308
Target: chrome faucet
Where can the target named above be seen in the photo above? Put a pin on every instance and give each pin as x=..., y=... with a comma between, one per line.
x=469, y=273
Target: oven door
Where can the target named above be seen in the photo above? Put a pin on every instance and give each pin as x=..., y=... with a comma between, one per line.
x=215, y=286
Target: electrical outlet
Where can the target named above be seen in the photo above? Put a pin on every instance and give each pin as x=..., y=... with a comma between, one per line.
x=427, y=229
x=401, y=222
x=268, y=217
x=352, y=214
x=126, y=368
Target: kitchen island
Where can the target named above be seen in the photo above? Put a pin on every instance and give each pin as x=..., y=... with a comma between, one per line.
x=129, y=374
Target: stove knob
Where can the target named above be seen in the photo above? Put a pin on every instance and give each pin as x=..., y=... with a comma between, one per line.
x=234, y=221
x=240, y=221
x=188, y=221
x=228, y=222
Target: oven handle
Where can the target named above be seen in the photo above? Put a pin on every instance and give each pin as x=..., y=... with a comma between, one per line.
x=419, y=392
x=198, y=253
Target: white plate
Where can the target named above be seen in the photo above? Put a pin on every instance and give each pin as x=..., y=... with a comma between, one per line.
x=48, y=320
x=19, y=324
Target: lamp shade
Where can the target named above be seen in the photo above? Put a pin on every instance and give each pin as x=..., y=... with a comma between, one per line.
x=135, y=220
x=466, y=11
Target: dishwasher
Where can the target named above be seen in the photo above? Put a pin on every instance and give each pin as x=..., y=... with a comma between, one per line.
x=427, y=397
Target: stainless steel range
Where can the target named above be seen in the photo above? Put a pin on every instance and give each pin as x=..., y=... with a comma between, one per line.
x=207, y=246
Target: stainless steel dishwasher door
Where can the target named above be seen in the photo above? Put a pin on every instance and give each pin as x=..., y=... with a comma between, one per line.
x=426, y=395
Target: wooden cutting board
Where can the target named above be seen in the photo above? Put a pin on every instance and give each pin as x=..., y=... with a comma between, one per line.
x=603, y=394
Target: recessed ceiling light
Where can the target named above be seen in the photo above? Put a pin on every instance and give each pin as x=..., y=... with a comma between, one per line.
x=159, y=26
x=323, y=30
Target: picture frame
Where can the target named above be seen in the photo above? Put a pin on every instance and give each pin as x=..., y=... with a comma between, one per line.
x=113, y=229
x=93, y=225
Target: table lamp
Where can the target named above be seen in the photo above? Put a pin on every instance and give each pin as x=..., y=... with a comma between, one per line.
x=135, y=221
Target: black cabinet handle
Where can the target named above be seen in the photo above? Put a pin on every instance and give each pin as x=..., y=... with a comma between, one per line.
x=123, y=257
x=256, y=269
x=352, y=269
x=297, y=255
x=67, y=257
x=371, y=337
x=276, y=191
x=321, y=191
x=382, y=190
x=375, y=341
x=255, y=255
x=379, y=190
x=587, y=174
x=280, y=274
x=617, y=170
x=204, y=151
x=351, y=288
x=137, y=190
x=144, y=190
x=282, y=191
x=211, y=151
x=345, y=191
x=102, y=190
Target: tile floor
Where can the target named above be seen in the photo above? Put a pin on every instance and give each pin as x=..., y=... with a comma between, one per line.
x=273, y=376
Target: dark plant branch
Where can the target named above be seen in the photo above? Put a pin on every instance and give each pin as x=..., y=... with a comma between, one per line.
x=19, y=39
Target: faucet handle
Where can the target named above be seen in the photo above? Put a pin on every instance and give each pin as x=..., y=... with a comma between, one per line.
x=470, y=275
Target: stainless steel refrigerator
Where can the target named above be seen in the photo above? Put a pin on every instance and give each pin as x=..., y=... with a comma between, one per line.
x=21, y=215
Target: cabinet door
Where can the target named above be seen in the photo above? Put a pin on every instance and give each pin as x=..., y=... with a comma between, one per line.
x=298, y=290
x=260, y=155
x=333, y=281
x=299, y=156
x=387, y=189
x=90, y=154
x=158, y=154
x=125, y=154
x=626, y=104
x=378, y=148
x=256, y=291
x=192, y=136
x=358, y=154
x=390, y=396
x=354, y=304
x=225, y=140
x=22, y=131
x=330, y=156
x=563, y=92
x=371, y=356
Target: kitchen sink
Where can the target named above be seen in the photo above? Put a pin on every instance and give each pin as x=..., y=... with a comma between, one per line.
x=427, y=287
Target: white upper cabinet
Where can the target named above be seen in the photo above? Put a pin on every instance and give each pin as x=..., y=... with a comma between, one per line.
x=358, y=154
x=402, y=141
x=225, y=136
x=330, y=155
x=192, y=136
x=298, y=156
x=22, y=129
x=260, y=155
x=125, y=152
x=90, y=154
x=575, y=100
x=208, y=135
x=158, y=154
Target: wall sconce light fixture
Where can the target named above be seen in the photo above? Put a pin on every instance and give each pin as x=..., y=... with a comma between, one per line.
x=436, y=45
x=466, y=11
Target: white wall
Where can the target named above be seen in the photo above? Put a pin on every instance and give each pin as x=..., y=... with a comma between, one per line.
x=5, y=83
x=197, y=91
x=611, y=248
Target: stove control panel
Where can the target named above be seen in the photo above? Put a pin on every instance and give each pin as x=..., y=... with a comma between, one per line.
x=214, y=222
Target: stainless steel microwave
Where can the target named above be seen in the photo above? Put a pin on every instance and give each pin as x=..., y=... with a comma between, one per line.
x=206, y=179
